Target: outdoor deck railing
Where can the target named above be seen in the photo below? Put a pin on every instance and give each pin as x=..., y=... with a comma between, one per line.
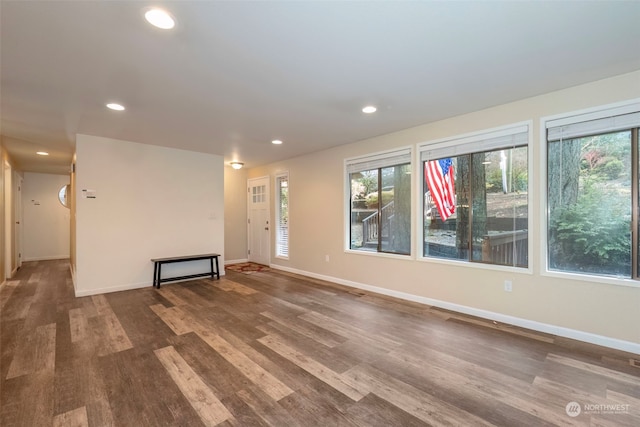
x=370, y=224
x=506, y=248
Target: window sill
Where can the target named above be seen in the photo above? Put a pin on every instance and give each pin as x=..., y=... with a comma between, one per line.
x=379, y=254
x=476, y=265
x=604, y=280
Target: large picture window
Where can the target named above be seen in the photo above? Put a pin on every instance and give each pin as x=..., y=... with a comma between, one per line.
x=592, y=189
x=476, y=204
x=380, y=202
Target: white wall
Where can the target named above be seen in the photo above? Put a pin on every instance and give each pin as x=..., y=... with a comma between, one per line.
x=235, y=225
x=591, y=311
x=45, y=220
x=3, y=255
x=149, y=202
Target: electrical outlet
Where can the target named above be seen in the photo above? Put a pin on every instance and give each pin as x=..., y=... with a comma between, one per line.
x=508, y=286
x=326, y=258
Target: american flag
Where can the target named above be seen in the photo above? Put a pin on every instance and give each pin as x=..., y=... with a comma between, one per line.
x=439, y=175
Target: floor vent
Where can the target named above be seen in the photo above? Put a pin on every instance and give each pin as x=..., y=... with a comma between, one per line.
x=634, y=362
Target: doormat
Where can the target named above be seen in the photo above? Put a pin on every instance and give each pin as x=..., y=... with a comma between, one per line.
x=247, y=267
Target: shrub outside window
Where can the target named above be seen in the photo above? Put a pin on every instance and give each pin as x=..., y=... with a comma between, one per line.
x=380, y=202
x=592, y=187
x=475, y=201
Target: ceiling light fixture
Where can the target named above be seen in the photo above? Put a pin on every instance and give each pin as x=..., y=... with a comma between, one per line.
x=42, y=153
x=160, y=18
x=276, y=142
x=116, y=107
x=237, y=165
x=369, y=109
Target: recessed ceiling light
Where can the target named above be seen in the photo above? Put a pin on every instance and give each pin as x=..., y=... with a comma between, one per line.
x=116, y=107
x=276, y=142
x=160, y=18
x=369, y=109
x=42, y=153
x=237, y=165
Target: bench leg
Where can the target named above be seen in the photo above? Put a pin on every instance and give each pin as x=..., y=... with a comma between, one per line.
x=217, y=268
x=159, y=275
x=211, y=262
x=155, y=273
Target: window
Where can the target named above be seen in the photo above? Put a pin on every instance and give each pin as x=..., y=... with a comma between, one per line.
x=380, y=202
x=475, y=204
x=592, y=192
x=282, y=215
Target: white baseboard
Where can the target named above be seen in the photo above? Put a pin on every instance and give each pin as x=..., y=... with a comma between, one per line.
x=46, y=258
x=73, y=279
x=560, y=331
x=235, y=261
x=87, y=292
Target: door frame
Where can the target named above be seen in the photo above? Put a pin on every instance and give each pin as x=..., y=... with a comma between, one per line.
x=8, y=220
x=264, y=180
x=18, y=182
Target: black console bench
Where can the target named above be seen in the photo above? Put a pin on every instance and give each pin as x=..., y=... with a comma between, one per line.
x=158, y=262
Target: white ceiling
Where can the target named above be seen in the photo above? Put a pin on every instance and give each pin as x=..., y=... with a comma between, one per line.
x=232, y=76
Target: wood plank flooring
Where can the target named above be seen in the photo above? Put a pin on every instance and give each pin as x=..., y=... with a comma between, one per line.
x=278, y=349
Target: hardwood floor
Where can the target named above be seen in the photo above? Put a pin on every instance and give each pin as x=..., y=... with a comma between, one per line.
x=276, y=349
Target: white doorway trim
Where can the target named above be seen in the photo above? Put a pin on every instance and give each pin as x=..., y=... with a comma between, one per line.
x=17, y=203
x=258, y=221
x=8, y=220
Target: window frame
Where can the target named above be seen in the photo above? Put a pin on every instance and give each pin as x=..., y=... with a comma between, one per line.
x=568, y=118
x=278, y=242
x=377, y=159
x=458, y=145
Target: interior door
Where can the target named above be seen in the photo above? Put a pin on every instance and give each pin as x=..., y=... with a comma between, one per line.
x=259, y=227
x=18, y=218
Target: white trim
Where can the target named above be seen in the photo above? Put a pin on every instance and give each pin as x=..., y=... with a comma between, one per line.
x=606, y=280
x=594, y=113
x=277, y=190
x=558, y=120
x=47, y=258
x=501, y=131
x=469, y=140
x=405, y=257
x=543, y=260
x=128, y=287
x=560, y=331
x=250, y=182
x=73, y=278
x=479, y=265
x=346, y=209
x=380, y=159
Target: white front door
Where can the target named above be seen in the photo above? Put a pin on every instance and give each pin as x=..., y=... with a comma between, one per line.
x=259, y=226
